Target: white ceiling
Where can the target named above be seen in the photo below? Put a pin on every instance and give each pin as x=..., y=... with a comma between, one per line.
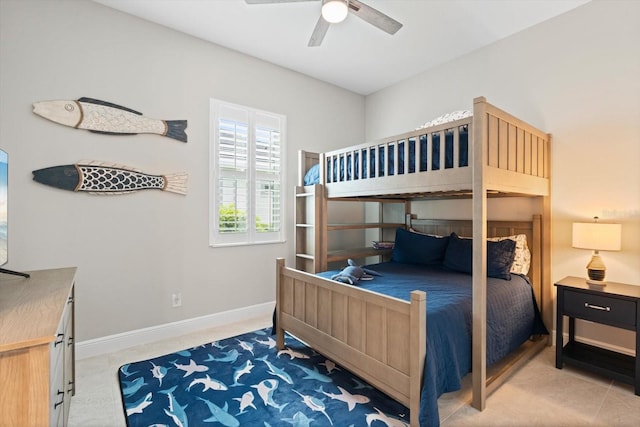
x=354, y=54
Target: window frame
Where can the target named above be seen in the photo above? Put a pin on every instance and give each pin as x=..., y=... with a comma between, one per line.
x=251, y=236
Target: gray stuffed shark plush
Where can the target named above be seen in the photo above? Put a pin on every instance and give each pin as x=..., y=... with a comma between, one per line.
x=352, y=274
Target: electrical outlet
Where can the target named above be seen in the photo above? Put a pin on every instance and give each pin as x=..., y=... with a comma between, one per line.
x=176, y=300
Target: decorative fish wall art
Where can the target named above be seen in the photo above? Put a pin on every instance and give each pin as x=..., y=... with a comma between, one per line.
x=104, y=117
x=107, y=178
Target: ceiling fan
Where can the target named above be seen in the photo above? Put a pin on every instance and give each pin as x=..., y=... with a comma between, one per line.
x=334, y=11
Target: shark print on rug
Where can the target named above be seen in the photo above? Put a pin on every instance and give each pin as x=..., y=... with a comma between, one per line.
x=247, y=381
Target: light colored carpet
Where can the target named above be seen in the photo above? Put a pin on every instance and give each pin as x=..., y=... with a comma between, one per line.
x=537, y=395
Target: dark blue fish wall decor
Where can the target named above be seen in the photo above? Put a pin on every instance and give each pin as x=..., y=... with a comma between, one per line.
x=104, y=117
x=107, y=178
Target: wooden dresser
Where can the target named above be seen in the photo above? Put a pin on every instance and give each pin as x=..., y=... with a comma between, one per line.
x=37, y=351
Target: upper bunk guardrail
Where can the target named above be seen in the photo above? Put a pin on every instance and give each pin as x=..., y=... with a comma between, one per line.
x=514, y=145
x=440, y=158
x=441, y=147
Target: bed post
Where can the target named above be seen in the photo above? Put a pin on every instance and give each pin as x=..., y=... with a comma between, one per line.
x=547, y=286
x=407, y=219
x=302, y=167
x=535, y=270
x=279, y=330
x=322, y=161
x=479, y=281
x=417, y=352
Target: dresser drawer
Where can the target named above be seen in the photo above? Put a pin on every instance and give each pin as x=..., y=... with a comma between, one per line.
x=602, y=309
x=57, y=395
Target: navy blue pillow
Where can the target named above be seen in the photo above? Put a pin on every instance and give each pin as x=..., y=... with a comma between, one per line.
x=500, y=255
x=416, y=248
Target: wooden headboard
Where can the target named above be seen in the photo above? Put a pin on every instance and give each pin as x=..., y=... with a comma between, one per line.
x=532, y=229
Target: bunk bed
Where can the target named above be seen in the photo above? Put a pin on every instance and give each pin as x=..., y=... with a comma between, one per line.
x=383, y=339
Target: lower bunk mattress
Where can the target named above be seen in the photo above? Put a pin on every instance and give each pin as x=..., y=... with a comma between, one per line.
x=512, y=317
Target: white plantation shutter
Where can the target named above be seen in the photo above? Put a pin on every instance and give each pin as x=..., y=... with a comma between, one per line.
x=247, y=147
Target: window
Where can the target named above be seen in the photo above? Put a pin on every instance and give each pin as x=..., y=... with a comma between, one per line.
x=247, y=154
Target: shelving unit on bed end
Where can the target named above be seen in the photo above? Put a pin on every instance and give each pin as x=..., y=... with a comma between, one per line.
x=313, y=230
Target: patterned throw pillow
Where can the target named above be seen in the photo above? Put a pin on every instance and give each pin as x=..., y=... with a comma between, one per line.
x=522, y=259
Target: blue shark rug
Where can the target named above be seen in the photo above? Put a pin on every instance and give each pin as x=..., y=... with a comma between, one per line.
x=246, y=381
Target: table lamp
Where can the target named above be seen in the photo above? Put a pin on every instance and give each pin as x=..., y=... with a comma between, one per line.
x=597, y=237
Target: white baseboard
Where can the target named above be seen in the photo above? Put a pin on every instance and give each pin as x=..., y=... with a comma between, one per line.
x=117, y=342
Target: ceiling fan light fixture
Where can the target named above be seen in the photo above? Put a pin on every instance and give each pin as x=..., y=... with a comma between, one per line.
x=334, y=11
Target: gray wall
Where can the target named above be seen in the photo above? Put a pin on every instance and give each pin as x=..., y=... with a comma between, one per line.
x=574, y=76
x=133, y=251
x=577, y=77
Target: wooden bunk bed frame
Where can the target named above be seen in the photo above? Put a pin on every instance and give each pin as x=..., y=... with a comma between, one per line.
x=353, y=326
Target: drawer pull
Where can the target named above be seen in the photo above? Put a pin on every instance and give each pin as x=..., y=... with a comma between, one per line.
x=597, y=307
x=55, y=406
x=59, y=340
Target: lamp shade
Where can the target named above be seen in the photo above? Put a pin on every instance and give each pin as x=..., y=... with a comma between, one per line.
x=597, y=236
x=334, y=11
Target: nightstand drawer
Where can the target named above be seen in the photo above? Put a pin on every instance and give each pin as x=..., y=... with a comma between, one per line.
x=602, y=309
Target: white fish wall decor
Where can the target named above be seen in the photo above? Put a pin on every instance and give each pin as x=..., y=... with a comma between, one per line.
x=105, y=117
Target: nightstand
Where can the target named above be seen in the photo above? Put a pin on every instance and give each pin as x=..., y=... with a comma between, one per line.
x=615, y=304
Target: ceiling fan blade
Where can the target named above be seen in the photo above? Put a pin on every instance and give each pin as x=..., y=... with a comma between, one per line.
x=374, y=17
x=318, y=32
x=274, y=1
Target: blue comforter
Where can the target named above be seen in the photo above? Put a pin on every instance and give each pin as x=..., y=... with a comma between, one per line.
x=512, y=317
